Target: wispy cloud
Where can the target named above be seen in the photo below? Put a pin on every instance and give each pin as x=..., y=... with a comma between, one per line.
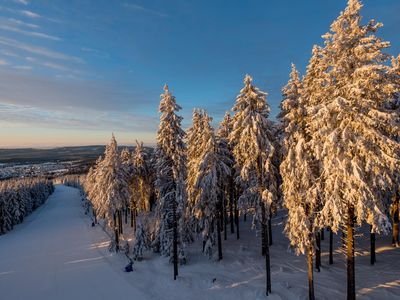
x=10, y=54
x=3, y=62
x=24, y=2
x=43, y=92
x=22, y=23
x=29, y=33
x=30, y=14
x=78, y=119
x=38, y=50
x=23, y=68
x=145, y=9
x=51, y=65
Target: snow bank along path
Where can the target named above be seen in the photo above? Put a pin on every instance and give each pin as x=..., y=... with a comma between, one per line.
x=55, y=254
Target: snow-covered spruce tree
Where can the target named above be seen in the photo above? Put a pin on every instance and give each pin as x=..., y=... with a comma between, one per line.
x=110, y=190
x=194, y=145
x=253, y=151
x=141, y=183
x=353, y=128
x=225, y=152
x=170, y=183
x=141, y=177
x=209, y=174
x=298, y=173
x=128, y=170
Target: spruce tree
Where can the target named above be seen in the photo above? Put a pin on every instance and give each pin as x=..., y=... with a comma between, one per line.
x=353, y=129
x=300, y=185
x=170, y=183
x=253, y=150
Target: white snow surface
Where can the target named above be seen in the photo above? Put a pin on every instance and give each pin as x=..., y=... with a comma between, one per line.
x=56, y=254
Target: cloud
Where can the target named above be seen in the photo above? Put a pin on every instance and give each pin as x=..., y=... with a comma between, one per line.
x=3, y=62
x=24, y=2
x=51, y=65
x=22, y=23
x=144, y=9
x=8, y=53
x=64, y=93
x=38, y=50
x=30, y=14
x=30, y=33
x=78, y=119
x=27, y=68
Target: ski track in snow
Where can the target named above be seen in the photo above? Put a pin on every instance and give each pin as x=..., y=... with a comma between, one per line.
x=56, y=254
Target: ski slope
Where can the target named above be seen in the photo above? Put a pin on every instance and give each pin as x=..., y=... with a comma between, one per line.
x=56, y=254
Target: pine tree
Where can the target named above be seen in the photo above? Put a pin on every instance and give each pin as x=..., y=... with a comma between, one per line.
x=225, y=153
x=170, y=183
x=300, y=185
x=110, y=189
x=141, y=183
x=194, y=142
x=209, y=174
x=353, y=129
x=225, y=128
x=253, y=151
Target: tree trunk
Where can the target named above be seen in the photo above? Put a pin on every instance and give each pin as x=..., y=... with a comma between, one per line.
x=263, y=230
x=330, y=246
x=237, y=220
x=225, y=217
x=395, y=232
x=372, y=239
x=245, y=217
x=116, y=235
x=318, y=251
x=219, y=238
x=120, y=221
x=351, y=281
x=265, y=243
x=270, y=229
x=175, y=239
x=231, y=200
x=322, y=234
x=134, y=220
x=126, y=215
x=267, y=262
x=116, y=239
x=310, y=274
x=131, y=217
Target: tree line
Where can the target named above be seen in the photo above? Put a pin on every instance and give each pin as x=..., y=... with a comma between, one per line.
x=19, y=198
x=331, y=160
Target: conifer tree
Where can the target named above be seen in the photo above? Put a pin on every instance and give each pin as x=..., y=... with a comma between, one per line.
x=110, y=189
x=170, y=183
x=209, y=176
x=253, y=151
x=225, y=152
x=353, y=129
x=298, y=174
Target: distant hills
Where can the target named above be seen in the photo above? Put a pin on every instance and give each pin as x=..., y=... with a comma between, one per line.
x=34, y=155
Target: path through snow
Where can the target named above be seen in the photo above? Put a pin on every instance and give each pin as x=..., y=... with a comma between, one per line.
x=55, y=254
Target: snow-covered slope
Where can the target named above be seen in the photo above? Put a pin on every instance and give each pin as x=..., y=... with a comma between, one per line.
x=56, y=254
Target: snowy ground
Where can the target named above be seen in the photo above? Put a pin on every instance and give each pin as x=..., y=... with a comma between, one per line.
x=56, y=254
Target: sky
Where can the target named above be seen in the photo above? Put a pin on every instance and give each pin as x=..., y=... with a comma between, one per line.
x=72, y=72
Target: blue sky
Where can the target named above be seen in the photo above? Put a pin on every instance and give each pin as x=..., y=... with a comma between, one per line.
x=72, y=72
